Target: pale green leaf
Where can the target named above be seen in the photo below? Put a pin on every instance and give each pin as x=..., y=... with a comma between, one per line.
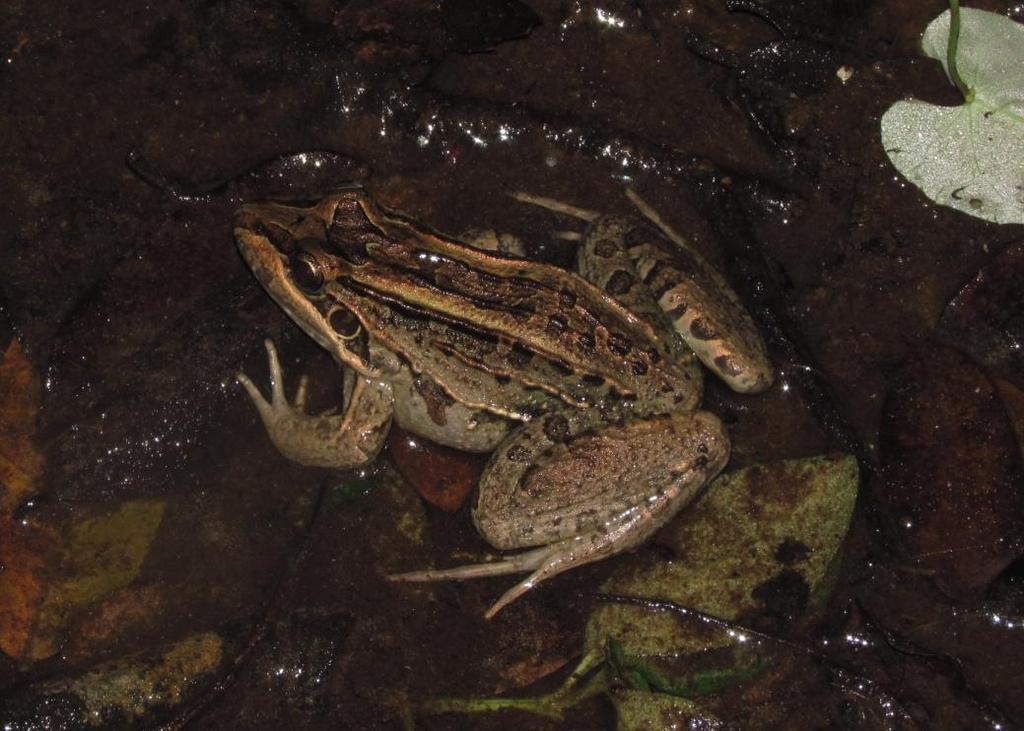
x=968, y=157
x=764, y=532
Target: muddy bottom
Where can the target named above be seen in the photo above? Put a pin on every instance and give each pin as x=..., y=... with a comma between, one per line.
x=164, y=565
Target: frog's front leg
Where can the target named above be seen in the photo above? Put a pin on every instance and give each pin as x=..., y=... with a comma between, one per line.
x=583, y=492
x=346, y=440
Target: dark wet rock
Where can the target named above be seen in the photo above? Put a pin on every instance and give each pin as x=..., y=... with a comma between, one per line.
x=295, y=665
x=299, y=176
x=986, y=318
x=478, y=25
x=397, y=33
x=951, y=483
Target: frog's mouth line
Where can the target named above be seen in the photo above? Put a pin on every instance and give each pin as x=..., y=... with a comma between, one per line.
x=267, y=264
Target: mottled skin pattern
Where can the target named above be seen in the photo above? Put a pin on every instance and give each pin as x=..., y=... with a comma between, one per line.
x=576, y=383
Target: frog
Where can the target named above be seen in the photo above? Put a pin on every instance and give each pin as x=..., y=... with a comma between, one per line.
x=583, y=385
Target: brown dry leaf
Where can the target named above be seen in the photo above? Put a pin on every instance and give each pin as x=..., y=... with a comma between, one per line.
x=26, y=550
x=26, y=554
x=529, y=671
x=123, y=611
x=21, y=462
x=56, y=575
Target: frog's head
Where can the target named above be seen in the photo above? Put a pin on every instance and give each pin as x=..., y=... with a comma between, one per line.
x=301, y=254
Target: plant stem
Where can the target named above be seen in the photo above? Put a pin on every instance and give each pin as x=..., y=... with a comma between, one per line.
x=951, y=46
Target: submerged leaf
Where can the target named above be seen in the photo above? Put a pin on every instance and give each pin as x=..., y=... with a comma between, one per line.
x=640, y=711
x=986, y=317
x=21, y=463
x=951, y=495
x=113, y=693
x=760, y=542
x=26, y=553
x=968, y=157
x=761, y=546
x=57, y=575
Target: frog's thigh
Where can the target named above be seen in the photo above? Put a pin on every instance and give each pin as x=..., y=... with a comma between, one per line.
x=343, y=441
x=597, y=489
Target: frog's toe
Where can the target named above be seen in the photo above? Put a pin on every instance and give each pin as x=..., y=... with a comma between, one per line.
x=300, y=394
x=525, y=561
x=544, y=563
x=534, y=560
x=556, y=205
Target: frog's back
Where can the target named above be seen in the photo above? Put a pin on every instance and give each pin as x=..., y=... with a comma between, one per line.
x=504, y=334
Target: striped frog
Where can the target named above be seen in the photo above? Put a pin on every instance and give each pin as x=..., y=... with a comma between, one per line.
x=583, y=385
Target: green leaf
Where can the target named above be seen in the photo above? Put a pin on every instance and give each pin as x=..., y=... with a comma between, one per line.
x=640, y=711
x=968, y=157
x=767, y=527
x=756, y=531
x=764, y=540
x=117, y=692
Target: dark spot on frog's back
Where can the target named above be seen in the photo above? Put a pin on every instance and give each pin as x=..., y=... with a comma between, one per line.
x=557, y=323
x=556, y=428
x=702, y=329
x=519, y=356
x=567, y=299
x=619, y=283
x=727, y=365
x=618, y=344
x=605, y=249
x=641, y=234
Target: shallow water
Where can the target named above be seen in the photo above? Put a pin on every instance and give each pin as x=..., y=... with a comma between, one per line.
x=134, y=312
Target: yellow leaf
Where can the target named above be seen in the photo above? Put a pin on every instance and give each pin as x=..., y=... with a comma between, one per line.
x=99, y=555
x=131, y=687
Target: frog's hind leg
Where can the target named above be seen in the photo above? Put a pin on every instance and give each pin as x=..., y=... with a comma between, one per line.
x=609, y=492
x=700, y=304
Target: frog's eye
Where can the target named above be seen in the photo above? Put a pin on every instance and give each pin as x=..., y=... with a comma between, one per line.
x=345, y=323
x=307, y=272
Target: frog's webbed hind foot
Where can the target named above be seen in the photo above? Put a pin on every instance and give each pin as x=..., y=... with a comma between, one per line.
x=350, y=439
